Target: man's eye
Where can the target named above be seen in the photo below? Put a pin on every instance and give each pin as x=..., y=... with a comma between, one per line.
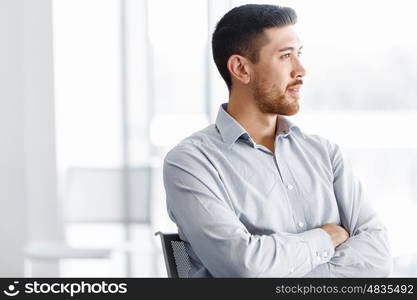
x=299, y=54
x=286, y=55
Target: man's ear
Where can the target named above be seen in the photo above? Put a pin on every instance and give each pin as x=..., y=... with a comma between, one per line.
x=239, y=68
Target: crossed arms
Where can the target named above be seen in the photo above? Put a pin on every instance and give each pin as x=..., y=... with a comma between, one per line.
x=358, y=247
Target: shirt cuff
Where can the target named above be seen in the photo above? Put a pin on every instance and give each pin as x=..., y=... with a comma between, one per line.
x=320, y=244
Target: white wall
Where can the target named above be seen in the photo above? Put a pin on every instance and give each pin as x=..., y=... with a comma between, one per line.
x=28, y=192
x=12, y=222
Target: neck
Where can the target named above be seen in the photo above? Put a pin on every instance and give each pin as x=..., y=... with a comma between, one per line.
x=260, y=126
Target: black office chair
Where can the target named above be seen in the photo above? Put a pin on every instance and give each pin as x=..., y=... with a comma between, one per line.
x=176, y=257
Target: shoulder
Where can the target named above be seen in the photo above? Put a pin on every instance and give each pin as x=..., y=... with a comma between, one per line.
x=320, y=143
x=322, y=149
x=330, y=149
x=195, y=148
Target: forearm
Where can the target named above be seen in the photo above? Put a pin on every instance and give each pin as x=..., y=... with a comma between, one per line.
x=237, y=253
x=364, y=255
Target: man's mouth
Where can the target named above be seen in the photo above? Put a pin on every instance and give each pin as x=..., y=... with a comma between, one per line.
x=295, y=90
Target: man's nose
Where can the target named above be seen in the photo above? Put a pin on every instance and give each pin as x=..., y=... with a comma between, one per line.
x=298, y=69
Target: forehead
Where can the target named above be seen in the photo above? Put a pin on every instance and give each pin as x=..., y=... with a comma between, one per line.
x=281, y=37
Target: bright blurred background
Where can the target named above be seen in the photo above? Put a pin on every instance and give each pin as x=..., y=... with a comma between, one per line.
x=93, y=93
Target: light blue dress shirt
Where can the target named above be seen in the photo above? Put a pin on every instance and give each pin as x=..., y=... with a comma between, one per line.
x=244, y=211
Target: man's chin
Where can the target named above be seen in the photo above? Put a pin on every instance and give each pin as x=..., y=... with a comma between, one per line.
x=290, y=110
x=285, y=111
x=286, y=105
x=293, y=106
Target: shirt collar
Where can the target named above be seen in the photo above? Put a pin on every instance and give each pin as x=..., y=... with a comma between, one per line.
x=231, y=130
x=286, y=127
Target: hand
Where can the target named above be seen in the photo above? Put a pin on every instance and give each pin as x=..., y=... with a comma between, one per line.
x=337, y=233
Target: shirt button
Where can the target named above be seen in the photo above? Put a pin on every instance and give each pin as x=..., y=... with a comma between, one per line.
x=290, y=187
x=292, y=270
x=325, y=253
x=300, y=224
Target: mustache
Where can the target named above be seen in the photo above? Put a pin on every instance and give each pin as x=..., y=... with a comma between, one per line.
x=297, y=82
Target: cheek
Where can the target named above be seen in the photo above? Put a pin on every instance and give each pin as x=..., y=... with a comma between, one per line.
x=273, y=75
x=279, y=76
x=280, y=81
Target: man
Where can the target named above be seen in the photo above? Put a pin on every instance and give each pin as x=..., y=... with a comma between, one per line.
x=254, y=196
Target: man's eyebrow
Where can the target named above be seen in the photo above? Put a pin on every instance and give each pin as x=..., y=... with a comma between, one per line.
x=289, y=48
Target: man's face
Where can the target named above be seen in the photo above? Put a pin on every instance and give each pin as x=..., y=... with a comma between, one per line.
x=278, y=72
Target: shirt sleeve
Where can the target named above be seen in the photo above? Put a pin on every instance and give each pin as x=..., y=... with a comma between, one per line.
x=367, y=252
x=198, y=203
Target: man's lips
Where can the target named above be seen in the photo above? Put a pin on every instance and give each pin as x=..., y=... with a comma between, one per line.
x=295, y=90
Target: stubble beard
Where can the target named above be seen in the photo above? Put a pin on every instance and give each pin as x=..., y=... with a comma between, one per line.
x=270, y=100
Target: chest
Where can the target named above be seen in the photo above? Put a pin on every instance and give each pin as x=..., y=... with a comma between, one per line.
x=271, y=193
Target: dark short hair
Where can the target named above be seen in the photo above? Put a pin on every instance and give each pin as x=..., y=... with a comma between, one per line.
x=241, y=31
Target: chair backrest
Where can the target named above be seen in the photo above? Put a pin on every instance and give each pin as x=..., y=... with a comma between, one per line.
x=176, y=257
